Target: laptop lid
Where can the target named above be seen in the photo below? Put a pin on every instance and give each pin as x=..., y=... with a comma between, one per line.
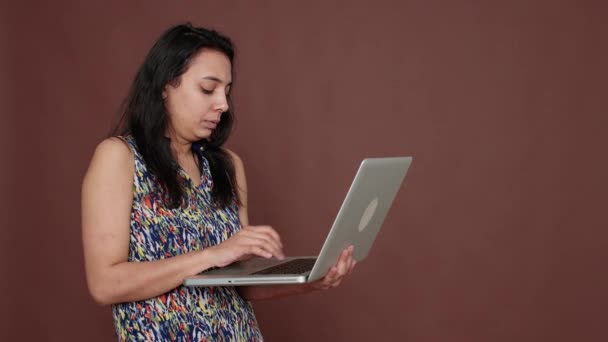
x=363, y=211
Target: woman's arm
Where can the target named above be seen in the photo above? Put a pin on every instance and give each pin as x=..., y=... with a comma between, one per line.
x=107, y=195
x=344, y=266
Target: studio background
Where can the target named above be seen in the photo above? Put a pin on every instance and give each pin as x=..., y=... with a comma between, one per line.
x=498, y=233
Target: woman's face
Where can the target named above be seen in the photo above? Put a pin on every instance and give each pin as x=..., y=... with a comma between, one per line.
x=196, y=104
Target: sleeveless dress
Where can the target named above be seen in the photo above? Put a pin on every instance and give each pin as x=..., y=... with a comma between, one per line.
x=157, y=232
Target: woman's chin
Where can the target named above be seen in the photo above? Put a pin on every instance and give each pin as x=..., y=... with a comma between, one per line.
x=203, y=134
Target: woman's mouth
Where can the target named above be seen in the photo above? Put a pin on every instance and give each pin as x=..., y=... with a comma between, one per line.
x=210, y=124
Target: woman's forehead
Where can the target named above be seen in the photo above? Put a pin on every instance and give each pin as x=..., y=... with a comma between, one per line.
x=211, y=65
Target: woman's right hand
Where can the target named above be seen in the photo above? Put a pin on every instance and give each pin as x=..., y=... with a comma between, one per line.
x=250, y=241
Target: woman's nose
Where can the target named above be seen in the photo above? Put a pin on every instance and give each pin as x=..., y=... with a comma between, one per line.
x=222, y=104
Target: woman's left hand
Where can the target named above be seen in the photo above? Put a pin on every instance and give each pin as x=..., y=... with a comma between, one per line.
x=337, y=273
x=333, y=278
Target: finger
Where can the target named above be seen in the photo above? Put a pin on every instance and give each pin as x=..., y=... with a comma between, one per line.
x=326, y=283
x=266, y=238
x=276, y=245
x=343, y=263
x=321, y=283
x=268, y=246
x=269, y=231
x=259, y=252
x=260, y=233
x=349, y=266
x=331, y=276
x=266, y=235
x=351, y=260
x=352, y=267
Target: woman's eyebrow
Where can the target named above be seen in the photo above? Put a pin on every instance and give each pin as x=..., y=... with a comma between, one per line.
x=213, y=78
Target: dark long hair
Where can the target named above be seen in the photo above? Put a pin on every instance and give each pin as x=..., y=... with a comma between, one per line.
x=144, y=115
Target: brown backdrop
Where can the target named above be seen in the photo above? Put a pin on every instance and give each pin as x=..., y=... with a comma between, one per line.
x=498, y=234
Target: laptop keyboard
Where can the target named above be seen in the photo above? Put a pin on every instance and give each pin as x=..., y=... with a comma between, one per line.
x=296, y=266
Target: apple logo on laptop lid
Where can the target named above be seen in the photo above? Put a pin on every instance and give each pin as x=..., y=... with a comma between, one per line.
x=368, y=214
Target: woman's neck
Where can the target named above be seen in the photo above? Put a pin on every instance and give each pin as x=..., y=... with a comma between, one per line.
x=181, y=148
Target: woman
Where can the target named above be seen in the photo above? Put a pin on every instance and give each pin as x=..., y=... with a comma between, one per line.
x=163, y=200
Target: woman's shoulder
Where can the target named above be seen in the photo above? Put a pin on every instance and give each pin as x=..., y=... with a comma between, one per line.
x=113, y=155
x=116, y=148
x=237, y=162
x=235, y=157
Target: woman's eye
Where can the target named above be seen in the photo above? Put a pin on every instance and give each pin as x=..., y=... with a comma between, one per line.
x=208, y=92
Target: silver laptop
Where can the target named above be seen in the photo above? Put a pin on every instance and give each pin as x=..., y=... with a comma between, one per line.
x=362, y=213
